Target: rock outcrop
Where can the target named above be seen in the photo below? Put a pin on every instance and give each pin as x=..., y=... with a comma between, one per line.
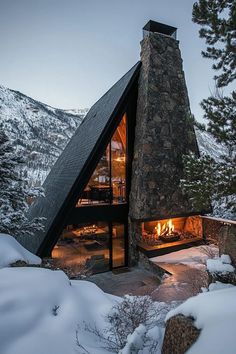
x=180, y=335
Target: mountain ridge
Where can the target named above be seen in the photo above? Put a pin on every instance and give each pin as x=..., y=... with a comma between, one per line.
x=38, y=129
x=43, y=131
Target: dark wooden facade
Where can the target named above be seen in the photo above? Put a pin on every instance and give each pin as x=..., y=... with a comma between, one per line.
x=68, y=212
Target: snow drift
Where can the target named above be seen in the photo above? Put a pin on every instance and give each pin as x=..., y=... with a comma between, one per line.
x=11, y=251
x=41, y=309
x=214, y=313
x=220, y=265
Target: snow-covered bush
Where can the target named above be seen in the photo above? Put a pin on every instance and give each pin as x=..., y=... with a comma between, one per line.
x=135, y=341
x=133, y=316
x=143, y=341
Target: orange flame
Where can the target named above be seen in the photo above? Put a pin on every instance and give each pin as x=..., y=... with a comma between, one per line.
x=166, y=227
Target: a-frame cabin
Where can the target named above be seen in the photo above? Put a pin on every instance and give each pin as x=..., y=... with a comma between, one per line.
x=115, y=189
x=88, y=187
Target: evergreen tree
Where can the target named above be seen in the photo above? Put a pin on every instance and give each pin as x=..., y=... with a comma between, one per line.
x=220, y=111
x=198, y=183
x=204, y=177
x=217, y=19
x=14, y=193
x=209, y=181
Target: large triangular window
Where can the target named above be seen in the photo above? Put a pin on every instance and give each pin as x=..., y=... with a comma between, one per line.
x=107, y=185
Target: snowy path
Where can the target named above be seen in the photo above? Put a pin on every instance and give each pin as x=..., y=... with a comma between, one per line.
x=187, y=276
x=135, y=281
x=180, y=285
x=188, y=273
x=184, y=282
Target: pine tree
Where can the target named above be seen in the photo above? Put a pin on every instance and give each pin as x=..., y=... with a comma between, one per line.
x=220, y=111
x=14, y=193
x=210, y=182
x=204, y=177
x=217, y=19
x=198, y=184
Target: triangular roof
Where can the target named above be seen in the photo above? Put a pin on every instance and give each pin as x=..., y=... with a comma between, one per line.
x=70, y=172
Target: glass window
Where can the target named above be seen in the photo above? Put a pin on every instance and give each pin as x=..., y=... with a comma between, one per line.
x=98, y=189
x=84, y=244
x=108, y=182
x=118, y=245
x=118, y=162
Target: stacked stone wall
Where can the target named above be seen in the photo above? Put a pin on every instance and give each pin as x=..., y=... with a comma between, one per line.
x=164, y=132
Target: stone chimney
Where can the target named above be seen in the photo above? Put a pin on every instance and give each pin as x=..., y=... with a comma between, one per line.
x=164, y=129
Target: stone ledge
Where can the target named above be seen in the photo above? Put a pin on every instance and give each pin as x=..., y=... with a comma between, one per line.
x=146, y=264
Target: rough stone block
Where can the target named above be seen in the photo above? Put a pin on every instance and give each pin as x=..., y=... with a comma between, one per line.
x=180, y=334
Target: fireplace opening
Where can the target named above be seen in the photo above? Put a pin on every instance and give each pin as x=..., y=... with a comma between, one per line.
x=172, y=231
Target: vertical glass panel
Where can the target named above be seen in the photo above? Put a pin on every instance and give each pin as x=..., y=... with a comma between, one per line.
x=118, y=245
x=98, y=189
x=84, y=244
x=108, y=182
x=118, y=162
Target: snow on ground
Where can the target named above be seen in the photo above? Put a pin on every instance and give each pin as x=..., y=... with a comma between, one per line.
x=214, y=313
x=218, y=286
x=225, y=258
x=40, y=310
x=220, y=265
x=43, y=312
x=11, y=251
x=193, y=256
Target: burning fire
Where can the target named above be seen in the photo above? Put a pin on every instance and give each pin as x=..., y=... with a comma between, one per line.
x=166, y=229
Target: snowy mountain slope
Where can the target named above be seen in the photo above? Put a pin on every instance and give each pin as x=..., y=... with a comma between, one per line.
x=208, y=145
x=39, y=130
x=43, y=131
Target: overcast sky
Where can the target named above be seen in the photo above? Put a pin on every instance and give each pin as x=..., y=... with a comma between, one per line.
x=67, y=53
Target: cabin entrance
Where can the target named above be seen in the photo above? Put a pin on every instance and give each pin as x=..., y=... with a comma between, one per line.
x=99, y=246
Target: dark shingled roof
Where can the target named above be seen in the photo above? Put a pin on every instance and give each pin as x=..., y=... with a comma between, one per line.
x=70, y=167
